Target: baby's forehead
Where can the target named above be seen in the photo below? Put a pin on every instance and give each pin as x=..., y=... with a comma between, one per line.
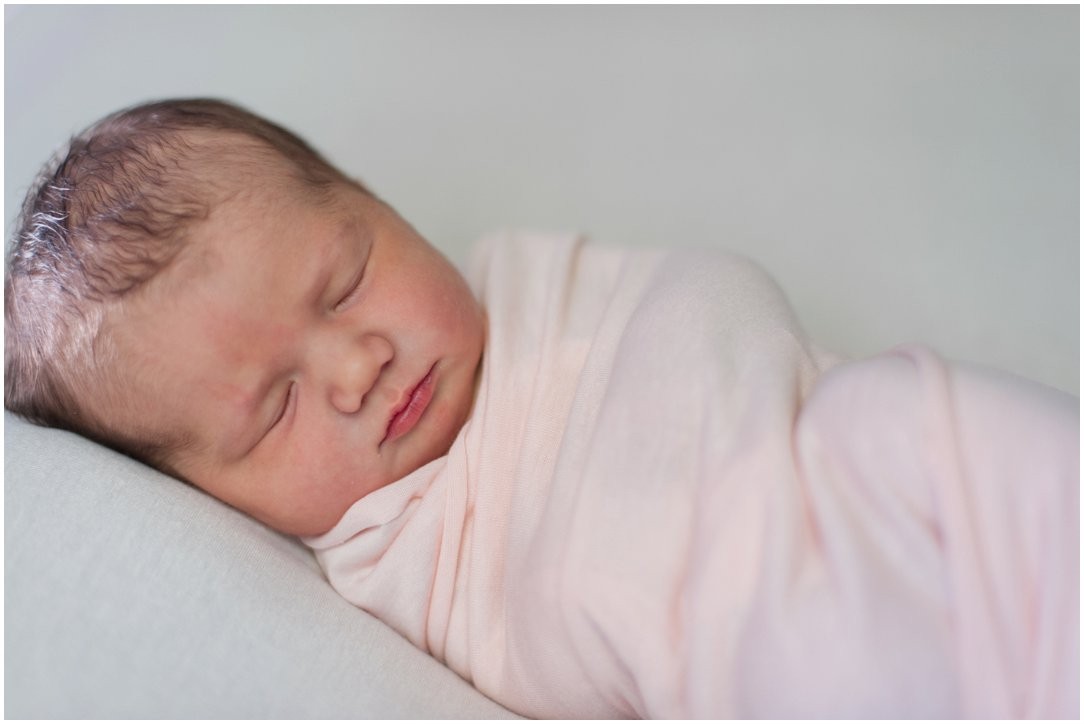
x=264, y=227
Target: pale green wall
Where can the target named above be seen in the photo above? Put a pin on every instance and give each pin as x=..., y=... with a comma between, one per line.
x=906, y=172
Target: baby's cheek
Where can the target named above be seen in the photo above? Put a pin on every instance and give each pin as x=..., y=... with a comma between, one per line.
x=448, y=412
x=463, y=322
x=320, y=495
x=344, y=471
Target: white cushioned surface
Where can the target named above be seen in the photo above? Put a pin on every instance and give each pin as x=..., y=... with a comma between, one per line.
x=129, y=594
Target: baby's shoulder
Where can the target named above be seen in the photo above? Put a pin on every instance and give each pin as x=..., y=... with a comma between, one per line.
x=520, y=248
x=715, y=273
x=697, y=277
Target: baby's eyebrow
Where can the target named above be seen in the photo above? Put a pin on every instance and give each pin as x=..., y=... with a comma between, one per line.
x=320, y=278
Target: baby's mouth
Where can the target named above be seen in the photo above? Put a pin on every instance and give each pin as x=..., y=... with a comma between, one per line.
x=406, y=415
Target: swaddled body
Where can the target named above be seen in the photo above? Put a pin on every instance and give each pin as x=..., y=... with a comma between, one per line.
x=665, y=501
x=664, y=504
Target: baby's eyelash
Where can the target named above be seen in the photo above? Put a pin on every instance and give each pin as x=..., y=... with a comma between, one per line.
x=285, y=405
x=354, y=286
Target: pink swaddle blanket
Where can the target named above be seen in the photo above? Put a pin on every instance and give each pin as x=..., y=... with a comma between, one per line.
x=668, y=503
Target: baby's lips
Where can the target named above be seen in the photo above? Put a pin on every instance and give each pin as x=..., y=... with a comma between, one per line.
x=405, y=416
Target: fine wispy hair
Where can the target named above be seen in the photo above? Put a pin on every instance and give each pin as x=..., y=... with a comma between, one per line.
x=106, y=215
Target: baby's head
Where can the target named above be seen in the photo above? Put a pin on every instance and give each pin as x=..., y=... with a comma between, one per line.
x=195, y=286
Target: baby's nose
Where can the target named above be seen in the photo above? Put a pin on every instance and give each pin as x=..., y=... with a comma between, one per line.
x=356, y=371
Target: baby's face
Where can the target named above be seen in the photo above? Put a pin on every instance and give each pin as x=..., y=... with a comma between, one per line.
x=315, y=355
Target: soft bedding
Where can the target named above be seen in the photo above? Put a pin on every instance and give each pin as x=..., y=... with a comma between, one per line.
x=129, y=595
x=668, y=502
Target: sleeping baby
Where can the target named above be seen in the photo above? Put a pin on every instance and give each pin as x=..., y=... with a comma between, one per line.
x=593, y=481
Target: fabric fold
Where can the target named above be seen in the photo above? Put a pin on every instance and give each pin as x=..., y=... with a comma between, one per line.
x=668, y=502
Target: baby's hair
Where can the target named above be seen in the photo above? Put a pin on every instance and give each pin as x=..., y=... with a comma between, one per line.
x=104, y=217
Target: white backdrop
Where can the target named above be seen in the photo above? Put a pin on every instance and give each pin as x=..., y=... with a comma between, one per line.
x=907, y=173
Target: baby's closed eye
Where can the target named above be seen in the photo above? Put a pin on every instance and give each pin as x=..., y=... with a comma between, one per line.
x=287, y=401
x=353, y=288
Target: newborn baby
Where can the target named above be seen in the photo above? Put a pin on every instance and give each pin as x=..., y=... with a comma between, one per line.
x=651, y=495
